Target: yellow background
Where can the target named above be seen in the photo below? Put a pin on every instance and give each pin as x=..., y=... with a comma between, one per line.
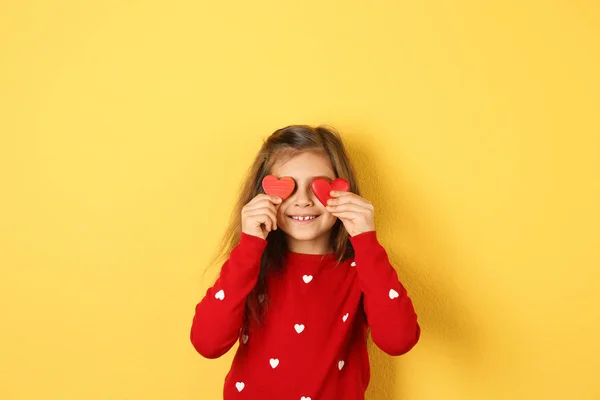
x=126, y=128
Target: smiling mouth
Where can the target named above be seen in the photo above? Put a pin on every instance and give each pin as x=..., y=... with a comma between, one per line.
x=303, y=217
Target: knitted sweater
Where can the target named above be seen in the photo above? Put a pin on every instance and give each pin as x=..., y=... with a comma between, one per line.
x=312, y=342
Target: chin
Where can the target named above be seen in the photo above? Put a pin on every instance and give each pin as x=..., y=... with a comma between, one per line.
x=308, y=232
x=305, y=236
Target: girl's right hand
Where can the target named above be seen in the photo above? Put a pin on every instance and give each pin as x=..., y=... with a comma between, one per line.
x=259, y=216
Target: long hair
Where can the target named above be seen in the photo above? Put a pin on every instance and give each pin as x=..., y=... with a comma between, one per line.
x=281, y=144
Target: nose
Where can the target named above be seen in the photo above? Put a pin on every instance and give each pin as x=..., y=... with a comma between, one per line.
x=304, y=196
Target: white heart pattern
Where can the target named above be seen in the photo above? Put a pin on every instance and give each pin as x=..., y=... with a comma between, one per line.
x=261, y=298
x=353, y=264
x=220, y=295
x=305, y=398
x=341, y=365
x=345, y=317
x=393, y=294
x=244, y=339
x=240, y=386
x=299, y=328
x=274, y=362
x=307, y=278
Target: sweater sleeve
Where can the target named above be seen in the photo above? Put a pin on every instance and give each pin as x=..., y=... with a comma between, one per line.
x=219, y=315
x=390, y=312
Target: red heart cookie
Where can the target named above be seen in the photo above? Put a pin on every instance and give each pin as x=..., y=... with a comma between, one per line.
x=278, y=187
x=321, y=188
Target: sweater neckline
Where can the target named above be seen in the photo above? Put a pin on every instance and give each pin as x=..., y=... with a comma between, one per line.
x=309, y=258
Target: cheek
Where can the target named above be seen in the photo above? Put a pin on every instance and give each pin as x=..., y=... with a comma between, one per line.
x=328, y=219
x=281, y=215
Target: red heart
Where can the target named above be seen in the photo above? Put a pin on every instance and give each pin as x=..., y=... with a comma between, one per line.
x=278, y=187
x=321, y=188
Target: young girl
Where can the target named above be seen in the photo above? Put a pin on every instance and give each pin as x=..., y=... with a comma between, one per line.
x=302, y=282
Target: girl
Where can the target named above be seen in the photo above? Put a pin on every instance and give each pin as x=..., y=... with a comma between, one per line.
x=302, y=282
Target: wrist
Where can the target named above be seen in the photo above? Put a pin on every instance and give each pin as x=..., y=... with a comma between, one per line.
x=246, y=236
x=364, y=240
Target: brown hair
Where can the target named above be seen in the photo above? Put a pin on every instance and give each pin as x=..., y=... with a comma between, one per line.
x=286, y=142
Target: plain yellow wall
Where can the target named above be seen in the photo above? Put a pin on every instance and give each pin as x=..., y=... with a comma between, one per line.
x=126, y=128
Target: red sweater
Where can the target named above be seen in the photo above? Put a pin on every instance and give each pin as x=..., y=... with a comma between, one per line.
x=312, y=343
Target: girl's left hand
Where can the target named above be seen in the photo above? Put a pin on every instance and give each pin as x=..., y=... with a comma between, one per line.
x=356, y=213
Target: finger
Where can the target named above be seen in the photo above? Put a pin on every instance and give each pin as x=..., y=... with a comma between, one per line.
x=348, y=207
x=340, y=193
x=268, y=213
x=276, y=199
x=263, y=204
x=350, y=198
x=350, y=215
x=257, y=198
x=265, y=197
x=264, y=219
x=267, y=223
x=265, y=231
x=259, y=210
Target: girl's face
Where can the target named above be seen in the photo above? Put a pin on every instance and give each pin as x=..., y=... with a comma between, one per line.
x=310, y=236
